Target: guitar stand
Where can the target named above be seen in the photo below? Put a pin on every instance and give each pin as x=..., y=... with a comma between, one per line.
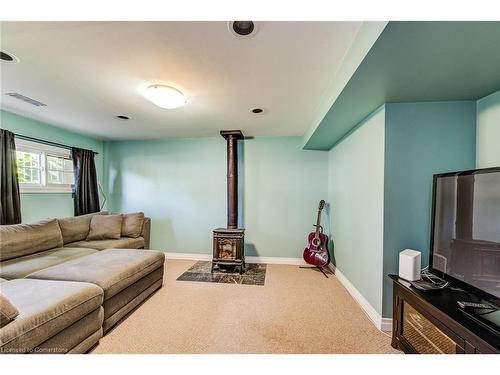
x=320, y=268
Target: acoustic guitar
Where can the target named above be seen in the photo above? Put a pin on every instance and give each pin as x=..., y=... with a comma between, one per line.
x=316, y=252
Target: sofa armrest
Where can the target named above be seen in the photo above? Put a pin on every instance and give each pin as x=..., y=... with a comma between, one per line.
x=146, y=231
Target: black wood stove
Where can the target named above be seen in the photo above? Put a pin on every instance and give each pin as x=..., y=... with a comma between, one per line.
x=228, y=247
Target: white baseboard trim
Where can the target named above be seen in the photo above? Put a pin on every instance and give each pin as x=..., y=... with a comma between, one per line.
x=188, y=256
x=249, y=259
x=276, y=260
x=383, y=324
x=386, y=325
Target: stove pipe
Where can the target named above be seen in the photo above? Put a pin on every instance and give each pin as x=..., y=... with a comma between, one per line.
x=232, y=137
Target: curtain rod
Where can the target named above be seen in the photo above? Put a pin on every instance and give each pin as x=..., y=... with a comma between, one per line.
x=43, y=141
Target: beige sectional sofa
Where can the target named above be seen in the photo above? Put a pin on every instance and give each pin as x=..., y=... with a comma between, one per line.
x=67, y=294
x=27, y=248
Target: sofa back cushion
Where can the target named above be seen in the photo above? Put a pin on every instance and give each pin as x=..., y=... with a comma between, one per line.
x=8, y=311
x=132, y=224
x=105, y=227
x=76, y=228
x=24, y=239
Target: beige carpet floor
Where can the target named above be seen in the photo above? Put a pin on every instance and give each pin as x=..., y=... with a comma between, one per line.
x=296, y=311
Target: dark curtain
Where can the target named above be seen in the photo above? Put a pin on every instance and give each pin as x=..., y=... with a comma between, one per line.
x=86, y=191
x=10, y=201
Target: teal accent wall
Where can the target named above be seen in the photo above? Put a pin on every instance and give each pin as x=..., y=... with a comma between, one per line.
x=421, y=139
x=415, y=62
x=380, y=187
x=37, y=206
x=181, y=185
x=488, y=131
x=356, y=206
x=363, y=42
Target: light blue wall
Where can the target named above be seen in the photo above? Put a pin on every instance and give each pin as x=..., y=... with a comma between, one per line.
x=421, y=139
x=181, y=185
x=488, y=131
x=36, y=206
x=356, y=197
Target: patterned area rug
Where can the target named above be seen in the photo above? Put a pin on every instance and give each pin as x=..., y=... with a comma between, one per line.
x=255, y=274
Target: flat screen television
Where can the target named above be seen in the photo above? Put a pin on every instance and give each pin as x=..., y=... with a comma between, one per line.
x=465, y=237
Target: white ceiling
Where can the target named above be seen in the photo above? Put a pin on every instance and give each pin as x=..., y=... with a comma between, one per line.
x=88, y=72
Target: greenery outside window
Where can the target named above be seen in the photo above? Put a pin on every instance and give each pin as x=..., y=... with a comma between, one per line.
x=43, y=169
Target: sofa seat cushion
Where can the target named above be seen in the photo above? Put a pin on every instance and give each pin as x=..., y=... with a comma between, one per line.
x=45, y=309
x=113, y=269
x=122, y=243
x=20, y=267
x=24, y=239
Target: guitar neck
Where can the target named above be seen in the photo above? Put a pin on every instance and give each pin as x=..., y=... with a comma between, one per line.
x=318, y=220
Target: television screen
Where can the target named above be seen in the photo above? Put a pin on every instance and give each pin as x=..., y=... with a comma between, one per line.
x=466, y=228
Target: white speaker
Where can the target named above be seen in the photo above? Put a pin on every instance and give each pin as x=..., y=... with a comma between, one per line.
x=409, y=264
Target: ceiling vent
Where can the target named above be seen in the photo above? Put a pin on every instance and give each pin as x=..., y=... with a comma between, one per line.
x=26, y=99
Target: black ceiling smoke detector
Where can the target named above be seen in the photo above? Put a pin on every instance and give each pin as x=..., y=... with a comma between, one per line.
x=256, y=110
x=122, y=117
x=6, y=57
x=243, y=28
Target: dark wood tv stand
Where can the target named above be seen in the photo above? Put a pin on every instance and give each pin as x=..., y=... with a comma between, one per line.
x=431, y=323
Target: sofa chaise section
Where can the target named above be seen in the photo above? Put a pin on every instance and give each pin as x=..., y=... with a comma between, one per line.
x=126, y=276
x=54, y=316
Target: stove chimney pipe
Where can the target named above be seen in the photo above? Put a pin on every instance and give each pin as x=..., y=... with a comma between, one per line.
x=232, y=137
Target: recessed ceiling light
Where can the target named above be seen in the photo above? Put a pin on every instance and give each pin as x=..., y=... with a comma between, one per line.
x=242, y=28
x=164, y=96
x=256, y=110
x=123, y=117
x=4, y=56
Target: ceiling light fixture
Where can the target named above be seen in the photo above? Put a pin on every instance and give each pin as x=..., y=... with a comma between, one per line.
x=164, y=96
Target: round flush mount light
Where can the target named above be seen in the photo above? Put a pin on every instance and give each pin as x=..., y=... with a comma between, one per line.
x=257, y=110
x=122, y=117
x=163, y=96
x=9, y=57
x=242, y=28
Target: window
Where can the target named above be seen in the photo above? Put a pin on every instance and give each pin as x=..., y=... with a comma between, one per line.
x=43, y=169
